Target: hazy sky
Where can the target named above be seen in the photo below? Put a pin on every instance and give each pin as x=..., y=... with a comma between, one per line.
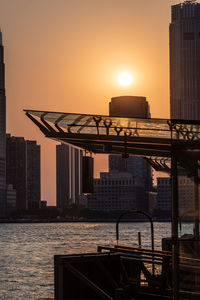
x=65, y=55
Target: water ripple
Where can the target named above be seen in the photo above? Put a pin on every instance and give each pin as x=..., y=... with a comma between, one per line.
x=27, y=251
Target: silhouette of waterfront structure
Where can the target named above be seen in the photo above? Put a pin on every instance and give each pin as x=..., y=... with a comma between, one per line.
x=2, y=132
x=23, y=171
x=68, y=175
x=149, y=138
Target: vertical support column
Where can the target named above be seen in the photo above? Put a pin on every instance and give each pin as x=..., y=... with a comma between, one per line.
x=175, y=217
x=77, y=175
x=196, y=207
x=73, y=175
x=196, y=228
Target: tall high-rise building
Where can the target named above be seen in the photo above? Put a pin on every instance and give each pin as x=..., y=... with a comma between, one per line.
x=185, y=61
x=23, y=171
x=131, y=107
x=68, y=175
x=33, y=174
x=19, y=162
x=2, y=133
x=185, y=78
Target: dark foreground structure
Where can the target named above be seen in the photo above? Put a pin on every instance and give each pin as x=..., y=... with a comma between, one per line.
x=171, y=146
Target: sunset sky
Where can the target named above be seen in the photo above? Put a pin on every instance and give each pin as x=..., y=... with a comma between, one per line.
x=63, y=55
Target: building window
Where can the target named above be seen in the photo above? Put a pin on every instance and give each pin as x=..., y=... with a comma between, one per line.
x=188, y=36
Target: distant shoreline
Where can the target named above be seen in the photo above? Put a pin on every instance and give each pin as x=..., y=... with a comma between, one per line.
x=80, y=221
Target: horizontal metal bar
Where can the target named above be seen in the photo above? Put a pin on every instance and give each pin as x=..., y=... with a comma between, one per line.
x=141, y=260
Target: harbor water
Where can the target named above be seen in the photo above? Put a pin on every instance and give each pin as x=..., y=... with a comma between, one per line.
x=27, y=251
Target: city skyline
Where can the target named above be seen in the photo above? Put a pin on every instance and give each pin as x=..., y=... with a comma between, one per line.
x=69, y=65
x=64, y=62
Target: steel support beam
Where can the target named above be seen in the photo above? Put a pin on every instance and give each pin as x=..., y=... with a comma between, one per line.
x=196, y=207
x=175, y=218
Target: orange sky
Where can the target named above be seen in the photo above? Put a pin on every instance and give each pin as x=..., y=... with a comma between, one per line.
x=65, y=55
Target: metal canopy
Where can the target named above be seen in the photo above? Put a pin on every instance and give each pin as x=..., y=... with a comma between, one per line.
x=154, y=139
x=117, y=126
x=115, y=135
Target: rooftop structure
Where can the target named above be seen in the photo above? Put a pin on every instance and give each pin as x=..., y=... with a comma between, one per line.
x=129, y=107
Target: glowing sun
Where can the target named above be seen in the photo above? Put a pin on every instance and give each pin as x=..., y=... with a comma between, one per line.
x=125, y=78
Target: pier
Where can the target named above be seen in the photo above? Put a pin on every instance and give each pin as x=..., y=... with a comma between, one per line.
x=171, y=146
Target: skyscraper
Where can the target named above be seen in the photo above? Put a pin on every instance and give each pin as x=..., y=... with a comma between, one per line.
x=23, y=171
x=33, y=174
x=2, y=133
x=131, y=107
x=68, y=175
x=185, y=61
x=185, y=78
x=63, y=186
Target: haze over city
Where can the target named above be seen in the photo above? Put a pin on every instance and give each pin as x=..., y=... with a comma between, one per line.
x=66, y=56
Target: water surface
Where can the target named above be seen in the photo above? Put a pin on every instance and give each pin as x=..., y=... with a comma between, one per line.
x=27, y=251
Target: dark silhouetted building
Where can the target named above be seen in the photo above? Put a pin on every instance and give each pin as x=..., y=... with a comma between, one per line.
x=135, y=165
x=186, y=194
x=117, y=190
x=185, y=77
x=129, y=107
x=185, y=61
x=11, y=199
x=2, y=133
x=132, y=107
x=68, y=175
x=33, y=174
x=23, y=171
